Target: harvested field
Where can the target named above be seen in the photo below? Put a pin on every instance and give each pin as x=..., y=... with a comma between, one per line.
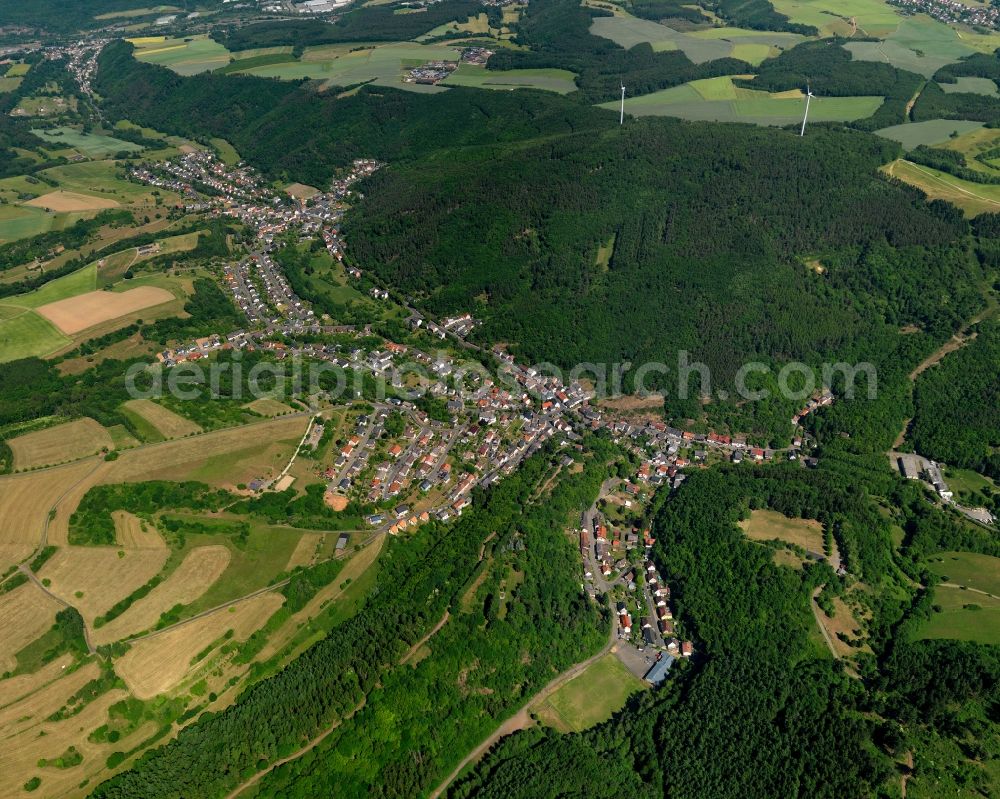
x=166, y=422
x=266, y=406
x=58, y=531
x=29, y=711
x=15, y=688
x=64, y=442
x=305, y=550
x=26, y=746
x=284, y=483
x=197, y=572
x=66, y=201
x=92, y=579
x=130, y=534
x=300, y=191
x=76, y=314
x=25, y=500
x=766, y=525
x=157, y=664
x=25, y=614
x=186, y=458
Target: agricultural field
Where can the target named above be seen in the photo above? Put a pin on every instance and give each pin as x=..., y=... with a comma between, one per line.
x=970, y=85
x=766, y=525
x=156, y=423
x=91, y=145
x=965, y=615
x=25, y=613
x=64, y=442
x=27, y=334
x=832, y=17
x=19, y=222
x=700, y=46
x=560, y=81
x=269, y=407
x=65, y=201
x=972, y=570
x=25, y=501
x=187, y=56
x=589, y=698
x=973, y=198
x=718, y=99
x=382, y=64
x=76, y=314
x=43, y=105
x=201, y=567
x=919, y=44
x=157, y=664
x=931, y=133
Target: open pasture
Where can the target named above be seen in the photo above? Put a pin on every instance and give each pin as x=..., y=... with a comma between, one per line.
x=766, y=525
x=560, y=81
x=980, y=572
x=969, y=85
x=157, y=664
x=187, y=56
x=221, y=457
x=201, y=567
x=700, y=46
x=965, y=616
x=76, y=314
x=919, y=44
x=20, y=222
x=64, y=442
x=27, y=334
x=165, y=423
x=81, y=281
x=65, y=201
x=92, y=145
x=590, y=697
x=382, y=64
x=697, y=101
x=832, y=17
x=931, y=133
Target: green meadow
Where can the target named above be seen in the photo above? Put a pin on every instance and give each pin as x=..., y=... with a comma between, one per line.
x=717, y=99
x=187, y=56
x=700, y=46
x=930, y=133
x=92, y=145
x=26, y=334
x=78, y=282
x=553, y=80
x=831, y=17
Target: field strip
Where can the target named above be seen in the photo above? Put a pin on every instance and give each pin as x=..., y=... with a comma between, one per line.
x=954, y=186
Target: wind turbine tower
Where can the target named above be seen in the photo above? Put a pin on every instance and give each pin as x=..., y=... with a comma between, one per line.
x=805, y=116
x=621, y=120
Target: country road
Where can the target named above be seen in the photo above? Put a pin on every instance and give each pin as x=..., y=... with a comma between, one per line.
x=31, y=576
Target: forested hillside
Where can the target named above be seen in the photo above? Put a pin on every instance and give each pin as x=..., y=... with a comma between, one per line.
x=762, y=712
x=958, y=405
x=497, y=203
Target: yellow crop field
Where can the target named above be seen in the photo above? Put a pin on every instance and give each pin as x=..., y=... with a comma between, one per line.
x=131, y=532
x=15, y=688
x=25, y=500
x=92, y=579
x=25, y=614
x=201, y=567
x=25, y=745
x=64, y=442
x=157, y=664
x=766, y=525
x=304, y=551
x=67, y=201
x=76, y=314
x=168, y=423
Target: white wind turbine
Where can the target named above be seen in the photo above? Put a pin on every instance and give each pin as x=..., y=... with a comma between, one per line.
x=809, y=96
x=621, y=120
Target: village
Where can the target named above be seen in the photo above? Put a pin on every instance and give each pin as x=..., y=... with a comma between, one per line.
x=952, y=11
x=390, y=456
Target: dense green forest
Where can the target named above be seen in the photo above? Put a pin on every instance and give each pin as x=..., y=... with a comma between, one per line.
x=502, y=228
x=763, y=711
x=958, y=405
